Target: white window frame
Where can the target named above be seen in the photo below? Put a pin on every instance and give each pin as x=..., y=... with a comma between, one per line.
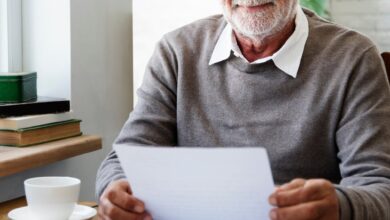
x=11, y=51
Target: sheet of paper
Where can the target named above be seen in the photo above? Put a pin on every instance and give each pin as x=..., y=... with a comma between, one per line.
x=179, y=183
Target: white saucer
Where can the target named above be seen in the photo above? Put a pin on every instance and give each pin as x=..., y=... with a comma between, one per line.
x=80, y=212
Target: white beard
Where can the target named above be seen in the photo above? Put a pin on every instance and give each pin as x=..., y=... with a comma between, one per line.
x=263, y=23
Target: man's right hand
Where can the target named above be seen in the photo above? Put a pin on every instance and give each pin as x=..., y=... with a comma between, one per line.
x=117, y=203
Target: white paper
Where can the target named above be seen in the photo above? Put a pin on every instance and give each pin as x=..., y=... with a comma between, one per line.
x=179, y=183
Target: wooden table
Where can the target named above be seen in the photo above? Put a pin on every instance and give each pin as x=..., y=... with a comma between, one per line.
x=6, y=207
x=17, y=159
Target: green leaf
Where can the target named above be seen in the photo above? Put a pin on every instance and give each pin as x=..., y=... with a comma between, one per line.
x=319, y=6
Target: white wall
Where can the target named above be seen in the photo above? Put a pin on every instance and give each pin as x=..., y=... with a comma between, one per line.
x=372, y=18
x=153, y=18
x=10, y=36
x=3, y=36
x=101, y=75
x=91, y=62
x=46, y=45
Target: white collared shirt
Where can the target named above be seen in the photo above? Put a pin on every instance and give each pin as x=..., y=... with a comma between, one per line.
x=287, y=58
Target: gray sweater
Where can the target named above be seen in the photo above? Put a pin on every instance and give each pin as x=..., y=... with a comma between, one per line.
x=332, y=121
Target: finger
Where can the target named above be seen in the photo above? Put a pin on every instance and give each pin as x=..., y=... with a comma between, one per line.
x=291, y=186
x=147, y=216
x=111, y=211
x=124, y=184
x=125, y=201
x=316, y=189
x=304, y=211
x=311, y=191
x=99, y=215
x=102, y=217
x=296, y=183
x=285, y=198
x=100, y=212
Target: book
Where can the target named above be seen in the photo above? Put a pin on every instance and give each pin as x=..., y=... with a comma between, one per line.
x=43, y=105
x=15, y=123
x=40, y=134
x=18, y=87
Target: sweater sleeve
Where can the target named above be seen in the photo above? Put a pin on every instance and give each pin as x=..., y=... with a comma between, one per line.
x=363, y=138
x=153, y=121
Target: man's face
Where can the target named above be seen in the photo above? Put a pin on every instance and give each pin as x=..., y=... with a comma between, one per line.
x=259, y=17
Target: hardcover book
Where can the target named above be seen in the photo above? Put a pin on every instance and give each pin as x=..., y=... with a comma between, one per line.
x=40, y=134
x=43, y=105
x=15, y=123
x=18, y=87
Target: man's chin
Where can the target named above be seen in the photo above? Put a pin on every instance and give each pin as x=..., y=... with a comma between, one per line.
x=253, y=30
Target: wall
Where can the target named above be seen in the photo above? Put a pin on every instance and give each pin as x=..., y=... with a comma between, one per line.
x=46, y=45
x=10, y=36
x=82, y=49
x=3, y=36
x=101, y=75
x=367, y=16
x=153, y=18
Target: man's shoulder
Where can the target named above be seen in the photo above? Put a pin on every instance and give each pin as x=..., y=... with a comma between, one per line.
x=327, y=34
x=338, y=34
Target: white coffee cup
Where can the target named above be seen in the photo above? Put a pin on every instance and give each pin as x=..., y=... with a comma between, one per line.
x=51, y=198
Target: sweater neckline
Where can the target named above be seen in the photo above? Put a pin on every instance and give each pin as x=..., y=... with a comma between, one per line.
x=243, y=66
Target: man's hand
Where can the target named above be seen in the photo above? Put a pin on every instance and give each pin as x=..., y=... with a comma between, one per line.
x=117, y=203
x=305, y=199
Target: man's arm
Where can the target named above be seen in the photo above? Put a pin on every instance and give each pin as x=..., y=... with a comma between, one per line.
x=153, y=121
x=363, y=137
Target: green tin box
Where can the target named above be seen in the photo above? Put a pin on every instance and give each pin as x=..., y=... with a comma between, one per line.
x=18, y=87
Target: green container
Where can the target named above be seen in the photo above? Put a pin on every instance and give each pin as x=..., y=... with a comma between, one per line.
x=18, y=87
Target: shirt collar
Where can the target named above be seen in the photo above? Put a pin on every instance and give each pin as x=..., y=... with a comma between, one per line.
x=287, y=58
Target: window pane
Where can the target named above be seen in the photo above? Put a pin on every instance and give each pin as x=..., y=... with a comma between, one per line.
x=153, y=18
x=3, y=37
x=10, y=36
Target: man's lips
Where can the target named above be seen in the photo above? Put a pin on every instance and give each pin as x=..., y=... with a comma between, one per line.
x=255, y=8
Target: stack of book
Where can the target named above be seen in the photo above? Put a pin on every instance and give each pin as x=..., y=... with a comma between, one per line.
x=26, y=119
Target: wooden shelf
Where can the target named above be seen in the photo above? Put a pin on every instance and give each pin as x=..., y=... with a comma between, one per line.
x=14, y=160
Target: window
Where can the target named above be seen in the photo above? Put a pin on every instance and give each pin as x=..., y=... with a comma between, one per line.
x=35, y=37
x=10, y=36
x=153, y=18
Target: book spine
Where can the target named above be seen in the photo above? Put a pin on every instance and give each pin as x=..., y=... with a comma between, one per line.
x=34, y=109
x=40, y=134
x=15, y=123
x=48, y=140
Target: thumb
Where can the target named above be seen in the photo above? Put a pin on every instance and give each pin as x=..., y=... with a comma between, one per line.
x=124, y=185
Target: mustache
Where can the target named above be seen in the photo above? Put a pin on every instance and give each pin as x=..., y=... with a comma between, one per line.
x=251, y=2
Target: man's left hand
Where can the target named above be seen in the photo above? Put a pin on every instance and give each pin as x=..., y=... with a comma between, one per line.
x=305, y=199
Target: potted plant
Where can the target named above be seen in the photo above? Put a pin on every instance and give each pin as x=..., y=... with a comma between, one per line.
x=318, y=6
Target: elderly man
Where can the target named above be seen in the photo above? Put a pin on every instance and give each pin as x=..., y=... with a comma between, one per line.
x=269, y=74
